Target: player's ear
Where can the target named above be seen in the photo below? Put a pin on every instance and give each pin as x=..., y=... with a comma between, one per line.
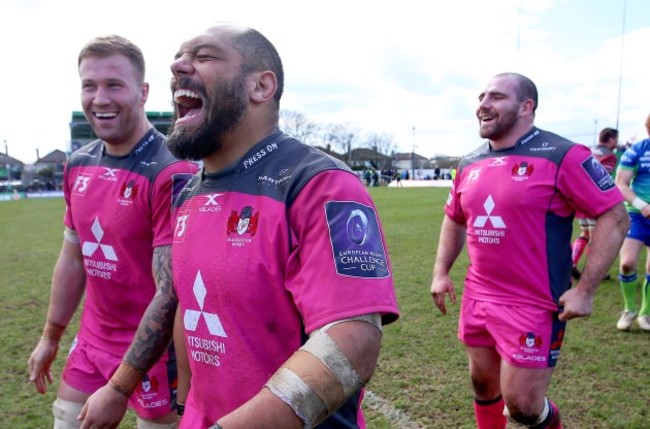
x=527, y=107
x=144, y=93
x=265, y=85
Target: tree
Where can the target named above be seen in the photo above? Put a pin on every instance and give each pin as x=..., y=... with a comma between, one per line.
x=340, y=137
x=46, y=173
x=382, y=143
x=445, y=161
x=298, y=126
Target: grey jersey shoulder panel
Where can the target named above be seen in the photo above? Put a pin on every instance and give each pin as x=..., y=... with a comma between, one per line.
x=277, y=167
x=536, y=143
x=147, y=158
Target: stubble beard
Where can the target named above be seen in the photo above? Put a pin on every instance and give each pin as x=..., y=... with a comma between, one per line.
x=500, y=127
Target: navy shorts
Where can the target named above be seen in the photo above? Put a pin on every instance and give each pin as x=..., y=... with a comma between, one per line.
x=639, y=228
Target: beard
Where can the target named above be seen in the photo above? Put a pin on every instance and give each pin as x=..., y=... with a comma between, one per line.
x=500, y=127
x=224, y=112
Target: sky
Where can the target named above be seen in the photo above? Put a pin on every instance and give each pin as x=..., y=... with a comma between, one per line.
x=409, y=69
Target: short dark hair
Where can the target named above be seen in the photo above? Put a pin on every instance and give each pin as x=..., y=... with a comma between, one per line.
x=606, y=134
x=105, y=46
x=526, y=87
x=259, y=54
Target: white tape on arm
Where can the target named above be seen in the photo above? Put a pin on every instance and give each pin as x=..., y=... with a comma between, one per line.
x=318, y=378
x=373, y=318
x=638, y=203
x=325, y=349
x=292, y=390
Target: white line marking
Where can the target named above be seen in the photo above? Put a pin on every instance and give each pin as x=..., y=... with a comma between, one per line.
x=398, y=418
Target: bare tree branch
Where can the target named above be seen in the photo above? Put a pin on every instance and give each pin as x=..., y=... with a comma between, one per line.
x=297, y=125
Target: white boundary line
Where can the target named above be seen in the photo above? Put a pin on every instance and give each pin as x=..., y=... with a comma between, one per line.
x=396, y=417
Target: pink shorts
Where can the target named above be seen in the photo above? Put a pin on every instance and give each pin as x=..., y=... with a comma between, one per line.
x=524, y=336
x=88, y=369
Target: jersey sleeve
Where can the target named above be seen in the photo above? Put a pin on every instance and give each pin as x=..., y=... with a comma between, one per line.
x=453, y=208
x=67, y=188
x=161, y=201
x=630, y=158
x=339, y=266
x=584, y=180
x=635, y=160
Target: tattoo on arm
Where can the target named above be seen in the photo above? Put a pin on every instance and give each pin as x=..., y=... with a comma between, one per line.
x=156, y=327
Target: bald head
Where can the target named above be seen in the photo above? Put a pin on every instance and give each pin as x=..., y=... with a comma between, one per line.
x=526, y=89
x=257, y=52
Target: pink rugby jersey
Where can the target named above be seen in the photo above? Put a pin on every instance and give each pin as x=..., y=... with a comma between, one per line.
x=120, y=208
x=265, y=251
x=518, y=205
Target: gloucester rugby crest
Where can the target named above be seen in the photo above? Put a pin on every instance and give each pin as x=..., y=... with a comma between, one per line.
x=244, y=222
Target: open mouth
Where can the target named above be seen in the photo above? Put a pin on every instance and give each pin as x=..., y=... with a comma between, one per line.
x=102, y=116
x=188, y=102
x=484, y=117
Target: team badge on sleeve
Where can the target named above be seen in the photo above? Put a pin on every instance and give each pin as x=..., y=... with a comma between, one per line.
x=356, y=240
x=598, y=174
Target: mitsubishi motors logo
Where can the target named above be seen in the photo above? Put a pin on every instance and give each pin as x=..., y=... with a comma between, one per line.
x=497, y=221
x=191, y=317
x=495, y=232
x=89, y=247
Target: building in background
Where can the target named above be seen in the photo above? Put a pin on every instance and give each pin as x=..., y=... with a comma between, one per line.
x=11, y=171
x=81, y=133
